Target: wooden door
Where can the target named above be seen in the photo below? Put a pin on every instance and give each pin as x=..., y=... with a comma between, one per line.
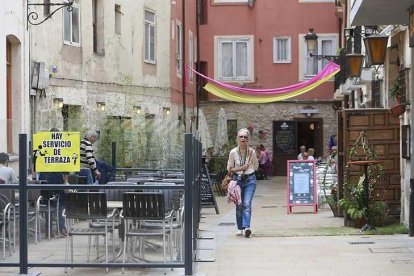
x=383, y=132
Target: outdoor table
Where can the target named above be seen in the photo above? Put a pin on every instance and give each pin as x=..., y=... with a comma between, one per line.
x=175, y=175
x=173, y=180
x=114, y=204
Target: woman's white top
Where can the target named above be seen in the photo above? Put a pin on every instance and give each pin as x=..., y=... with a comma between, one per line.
x=237, y=159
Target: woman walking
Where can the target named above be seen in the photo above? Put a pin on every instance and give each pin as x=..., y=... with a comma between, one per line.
x=243, y=164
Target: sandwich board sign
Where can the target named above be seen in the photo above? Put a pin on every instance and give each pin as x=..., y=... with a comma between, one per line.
x=301, y=184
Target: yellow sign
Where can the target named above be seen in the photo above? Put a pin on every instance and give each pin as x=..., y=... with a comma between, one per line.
x=56, y=152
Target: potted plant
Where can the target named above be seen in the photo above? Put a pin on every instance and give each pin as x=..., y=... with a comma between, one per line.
x=395, y=90
x=354, y=200
x=354, y=204
x=395, y=93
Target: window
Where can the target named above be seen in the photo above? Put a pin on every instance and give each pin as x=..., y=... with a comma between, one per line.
x=229, y=1
x=71, y=25
x=234, y=58
x=118, y=15
x=316, y=1
x=326, y=46
x=281, y=49
x=179, y=48
x=149, y=42
x=191, y=55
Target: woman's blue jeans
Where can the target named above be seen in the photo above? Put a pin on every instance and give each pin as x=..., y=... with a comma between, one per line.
x=244, y=211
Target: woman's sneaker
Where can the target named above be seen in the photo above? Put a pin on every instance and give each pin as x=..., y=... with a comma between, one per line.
x=239, y=233
x=247, y=232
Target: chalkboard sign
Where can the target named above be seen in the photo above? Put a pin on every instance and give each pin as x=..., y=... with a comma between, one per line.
x=301, y=184
x=285, y=137
x=207, y=196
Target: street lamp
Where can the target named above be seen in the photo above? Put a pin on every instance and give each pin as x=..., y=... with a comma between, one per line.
x=354, y=64
x=375, y=44
x=376, y=47
x=311, y=39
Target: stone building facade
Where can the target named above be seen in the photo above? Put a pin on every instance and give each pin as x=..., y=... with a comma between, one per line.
x=262, y=117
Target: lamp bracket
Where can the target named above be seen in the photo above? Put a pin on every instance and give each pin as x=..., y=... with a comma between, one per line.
x=33, y=16
x=327, y=57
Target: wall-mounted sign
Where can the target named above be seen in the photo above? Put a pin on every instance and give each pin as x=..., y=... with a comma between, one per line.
x=309, y=111
x=56, y=151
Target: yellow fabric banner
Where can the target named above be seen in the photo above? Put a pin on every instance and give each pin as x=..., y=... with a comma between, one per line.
x=249, y=98
x=56, y=151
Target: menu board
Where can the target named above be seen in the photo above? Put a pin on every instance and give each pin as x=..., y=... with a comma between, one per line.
x=285, y=137
x=301, y=184
x=207, y=196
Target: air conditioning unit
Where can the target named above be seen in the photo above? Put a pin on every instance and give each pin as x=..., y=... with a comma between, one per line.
x=40, y=76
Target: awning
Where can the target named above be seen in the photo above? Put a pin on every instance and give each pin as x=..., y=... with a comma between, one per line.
x=379, y=12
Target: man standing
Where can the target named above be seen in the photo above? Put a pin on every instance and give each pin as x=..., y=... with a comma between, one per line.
x=87, y=158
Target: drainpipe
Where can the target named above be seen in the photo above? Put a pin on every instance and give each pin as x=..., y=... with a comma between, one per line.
x=198, y=88
x=411, y=198
x=183, y=74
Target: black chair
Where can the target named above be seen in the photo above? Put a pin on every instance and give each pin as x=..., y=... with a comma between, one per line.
x=138, y=207
x=6, y=207
x=86, y=206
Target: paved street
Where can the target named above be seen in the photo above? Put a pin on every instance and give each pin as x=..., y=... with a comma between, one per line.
x=281, y=244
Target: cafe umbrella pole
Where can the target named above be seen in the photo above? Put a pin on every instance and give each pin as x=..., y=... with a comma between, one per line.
x=23, y=203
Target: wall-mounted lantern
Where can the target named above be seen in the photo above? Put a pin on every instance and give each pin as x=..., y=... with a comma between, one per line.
x=137, y=109
x=166, y=110
x=354, y=64
x=376, y=48
x=58, y=102
x=101, y=106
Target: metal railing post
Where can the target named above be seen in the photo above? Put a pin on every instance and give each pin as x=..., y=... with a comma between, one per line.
x=188, y=205
x=113, y=155
x=23, y=203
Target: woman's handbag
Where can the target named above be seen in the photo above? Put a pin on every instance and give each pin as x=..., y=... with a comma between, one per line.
x=226, y=181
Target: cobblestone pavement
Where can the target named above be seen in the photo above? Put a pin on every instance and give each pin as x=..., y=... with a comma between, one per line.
x=281, y=244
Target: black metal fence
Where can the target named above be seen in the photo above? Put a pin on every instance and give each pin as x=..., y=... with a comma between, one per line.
x=192, y=205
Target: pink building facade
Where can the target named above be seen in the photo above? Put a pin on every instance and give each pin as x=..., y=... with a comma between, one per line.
x=261, y=44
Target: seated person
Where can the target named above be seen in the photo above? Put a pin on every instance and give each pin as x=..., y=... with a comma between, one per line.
x=311, y=152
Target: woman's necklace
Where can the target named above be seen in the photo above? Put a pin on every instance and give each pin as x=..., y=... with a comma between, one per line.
x=242, y=160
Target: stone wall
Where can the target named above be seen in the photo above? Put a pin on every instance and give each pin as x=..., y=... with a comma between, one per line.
x=261, y=116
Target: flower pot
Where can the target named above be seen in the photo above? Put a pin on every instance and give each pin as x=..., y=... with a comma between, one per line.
x=358, y=223
x=397, y=110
